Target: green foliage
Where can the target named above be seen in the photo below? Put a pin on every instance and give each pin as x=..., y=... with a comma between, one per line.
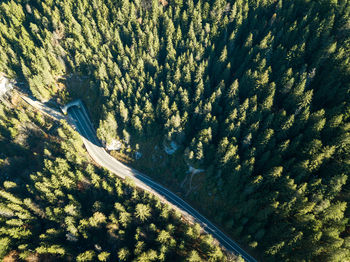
x=60, y=208
x=256, y=93
x=4, y=246
x=108, y=129
x=142, y=212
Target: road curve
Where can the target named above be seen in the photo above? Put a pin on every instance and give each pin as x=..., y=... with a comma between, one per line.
x=98, y=153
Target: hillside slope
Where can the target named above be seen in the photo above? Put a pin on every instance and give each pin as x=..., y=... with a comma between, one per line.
x=256, y=93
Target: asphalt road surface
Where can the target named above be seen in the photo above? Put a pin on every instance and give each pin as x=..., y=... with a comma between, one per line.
x=98, y=153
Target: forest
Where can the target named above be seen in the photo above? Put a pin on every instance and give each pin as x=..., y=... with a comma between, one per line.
x=254, y=93
x=56, y=206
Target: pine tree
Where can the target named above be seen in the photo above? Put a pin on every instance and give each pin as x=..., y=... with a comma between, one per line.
x=142, y=212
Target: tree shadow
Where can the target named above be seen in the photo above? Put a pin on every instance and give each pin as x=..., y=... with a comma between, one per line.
x=81, y=85
x=84, y=126
x=79, y=114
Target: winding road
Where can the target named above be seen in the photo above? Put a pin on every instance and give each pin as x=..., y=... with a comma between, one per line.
x=98, y=153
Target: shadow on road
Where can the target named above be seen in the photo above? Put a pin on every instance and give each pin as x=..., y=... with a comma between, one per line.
x=83, y=123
